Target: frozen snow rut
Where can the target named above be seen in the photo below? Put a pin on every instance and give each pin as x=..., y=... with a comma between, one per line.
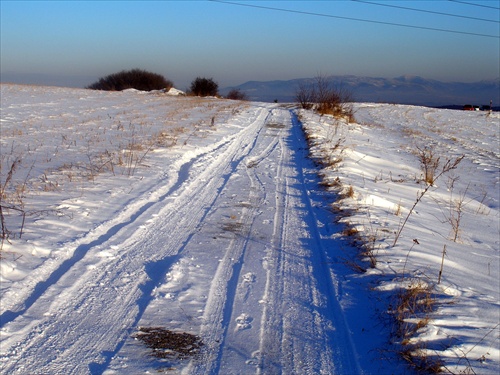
x=263, y=302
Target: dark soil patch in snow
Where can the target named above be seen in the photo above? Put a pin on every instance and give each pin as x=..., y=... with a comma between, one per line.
x=167, y=344
x=234, y=227
x=274, y=125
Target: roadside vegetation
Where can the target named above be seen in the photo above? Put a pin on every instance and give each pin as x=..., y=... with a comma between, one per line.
x=325, y=98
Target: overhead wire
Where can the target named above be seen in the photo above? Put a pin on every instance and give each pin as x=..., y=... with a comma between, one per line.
x=355, y=19
x=425, y=11
x=474, y=4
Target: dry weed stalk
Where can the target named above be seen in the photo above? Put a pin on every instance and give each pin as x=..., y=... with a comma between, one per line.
x=397, y=210
x=369, y=240
x=442, y=264
x=5, y=205
x=449, y=165
x=429, y=164
x=456, y=209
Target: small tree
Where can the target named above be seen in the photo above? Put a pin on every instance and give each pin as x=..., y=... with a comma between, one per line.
x=204, y=87
x=236, y=94
x=305, y=95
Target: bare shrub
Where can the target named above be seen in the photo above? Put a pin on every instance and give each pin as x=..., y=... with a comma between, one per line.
x=236, y=94
x=325, y=98
x=132, y=79
x=305, y=95
x=204, y=87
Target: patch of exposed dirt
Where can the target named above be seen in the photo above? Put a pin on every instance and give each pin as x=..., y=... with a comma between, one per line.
x=168, y=344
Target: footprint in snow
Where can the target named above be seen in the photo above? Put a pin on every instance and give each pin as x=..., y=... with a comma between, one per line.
x=249, y=278
x=255, y=360
x=243, y=322
x=246, y=285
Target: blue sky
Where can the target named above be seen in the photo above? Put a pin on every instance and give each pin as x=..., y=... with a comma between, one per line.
x=73, y=43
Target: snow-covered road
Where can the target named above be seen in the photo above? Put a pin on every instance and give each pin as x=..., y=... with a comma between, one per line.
x=230, y=250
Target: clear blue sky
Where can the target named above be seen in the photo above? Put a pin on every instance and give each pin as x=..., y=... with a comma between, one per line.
x=233, y=44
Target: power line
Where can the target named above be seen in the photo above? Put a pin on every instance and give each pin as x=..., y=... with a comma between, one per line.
x=473, y=4
x=355, y=19
x=425, y=11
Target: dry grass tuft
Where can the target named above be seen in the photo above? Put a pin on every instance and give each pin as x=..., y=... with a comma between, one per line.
x=350, y=192
x=419, y=359
x=412, y=308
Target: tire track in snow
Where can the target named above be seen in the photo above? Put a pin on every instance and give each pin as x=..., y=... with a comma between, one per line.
x=303, y=329
x=272, y=306
x=79, y=326
x=225, y=317
x=98, y=236
x=342, y=346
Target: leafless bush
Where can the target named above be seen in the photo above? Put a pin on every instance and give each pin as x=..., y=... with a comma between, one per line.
x=236, y=94
x=325, y=98
x=305, y=95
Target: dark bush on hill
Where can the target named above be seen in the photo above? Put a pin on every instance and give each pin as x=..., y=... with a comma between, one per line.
x=236, y=94
x=204, y=87
x=132, y=79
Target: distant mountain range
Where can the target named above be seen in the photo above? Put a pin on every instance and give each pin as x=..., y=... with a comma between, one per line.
x=402, y=90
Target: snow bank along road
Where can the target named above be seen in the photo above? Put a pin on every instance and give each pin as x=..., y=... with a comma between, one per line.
x=229, y=250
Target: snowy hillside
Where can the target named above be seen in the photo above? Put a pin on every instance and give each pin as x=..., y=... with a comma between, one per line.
x=439, y=241
x=146, y=233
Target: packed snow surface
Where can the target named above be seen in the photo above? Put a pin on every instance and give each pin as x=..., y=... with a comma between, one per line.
x=281, y=240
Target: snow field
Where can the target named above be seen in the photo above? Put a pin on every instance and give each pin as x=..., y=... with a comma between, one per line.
x=205, y=216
